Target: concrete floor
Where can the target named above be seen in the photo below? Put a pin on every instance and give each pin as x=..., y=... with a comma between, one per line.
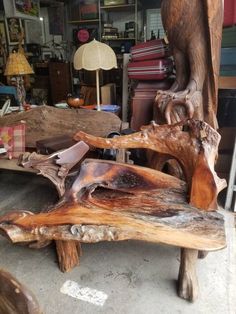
x=137, y=277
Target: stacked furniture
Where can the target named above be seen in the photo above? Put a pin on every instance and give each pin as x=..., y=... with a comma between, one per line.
x=226, y=114
x=150, y=65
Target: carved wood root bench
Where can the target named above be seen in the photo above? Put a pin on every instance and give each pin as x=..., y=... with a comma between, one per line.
x=111, y=201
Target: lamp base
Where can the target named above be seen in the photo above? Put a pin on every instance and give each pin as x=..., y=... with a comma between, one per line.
x=20, y=91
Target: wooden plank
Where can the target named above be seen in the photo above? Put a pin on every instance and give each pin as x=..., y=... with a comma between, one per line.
x=47, y=121
x=12, y=165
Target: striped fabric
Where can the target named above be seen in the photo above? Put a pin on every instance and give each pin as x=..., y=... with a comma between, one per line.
x=13, y=138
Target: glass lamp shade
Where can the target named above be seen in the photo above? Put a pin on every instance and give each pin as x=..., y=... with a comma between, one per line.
x=17, y=64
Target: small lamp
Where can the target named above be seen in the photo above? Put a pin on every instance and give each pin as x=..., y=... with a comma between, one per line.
x=93, y=57
x=17, y=65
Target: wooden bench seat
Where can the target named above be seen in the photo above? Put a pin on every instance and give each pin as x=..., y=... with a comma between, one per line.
x=153, y=210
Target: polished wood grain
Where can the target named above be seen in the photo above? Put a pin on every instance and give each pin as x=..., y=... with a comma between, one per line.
x=137, y=203
x=45, y=122
x=194, y=31
x=16, y=298
x=187, y=281
x=193, y=143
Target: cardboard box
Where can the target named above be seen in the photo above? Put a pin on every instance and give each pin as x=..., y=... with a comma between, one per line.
x=108, y=94
x=89, y=11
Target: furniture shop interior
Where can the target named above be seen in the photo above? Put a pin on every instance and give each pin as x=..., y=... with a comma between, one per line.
x=126, y=111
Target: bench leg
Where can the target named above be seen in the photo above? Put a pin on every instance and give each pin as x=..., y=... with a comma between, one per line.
x=202, y=254
x=187, y=280
x=68, y=253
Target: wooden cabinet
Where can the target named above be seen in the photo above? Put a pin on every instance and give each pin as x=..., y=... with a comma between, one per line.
x=41, y=85
x=60, y=80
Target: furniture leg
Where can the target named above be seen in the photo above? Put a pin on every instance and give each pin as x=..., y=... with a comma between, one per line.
x=202, y=254
x=68, y=253
x=187, y=280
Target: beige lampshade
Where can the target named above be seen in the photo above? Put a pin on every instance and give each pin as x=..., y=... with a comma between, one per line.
x=17, y=64
x=93, y=56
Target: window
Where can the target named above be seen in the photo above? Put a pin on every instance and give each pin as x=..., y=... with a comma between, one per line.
x=154, y=23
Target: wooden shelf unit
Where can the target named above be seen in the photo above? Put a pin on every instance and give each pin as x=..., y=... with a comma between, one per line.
x=109, y=9
x=120, y=7
x=75, y=17
x=95, y=21
x=117, y=39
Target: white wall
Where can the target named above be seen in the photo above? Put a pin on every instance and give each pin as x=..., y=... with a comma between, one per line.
x=51, y=40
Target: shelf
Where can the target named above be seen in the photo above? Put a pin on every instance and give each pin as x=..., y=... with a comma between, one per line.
x=120, y=7
x=41, y=64
x=13, y=165
x=95, y=21
x=118, y=39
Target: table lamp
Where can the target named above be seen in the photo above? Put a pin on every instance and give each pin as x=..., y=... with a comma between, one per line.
x=17, y=65
x=93, y=57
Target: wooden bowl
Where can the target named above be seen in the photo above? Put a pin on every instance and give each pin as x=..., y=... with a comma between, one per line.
x=75, y=102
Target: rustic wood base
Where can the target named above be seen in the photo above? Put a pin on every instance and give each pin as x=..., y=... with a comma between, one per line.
x=68, y=253
x=187, y=280
x=16, y=298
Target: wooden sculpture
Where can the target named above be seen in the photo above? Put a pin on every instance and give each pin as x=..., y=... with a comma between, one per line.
x=194, y=30
x=111, y=201
x=16, y=298
x=195, y=150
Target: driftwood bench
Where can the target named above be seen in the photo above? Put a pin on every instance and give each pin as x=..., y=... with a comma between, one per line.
x=111, y=201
